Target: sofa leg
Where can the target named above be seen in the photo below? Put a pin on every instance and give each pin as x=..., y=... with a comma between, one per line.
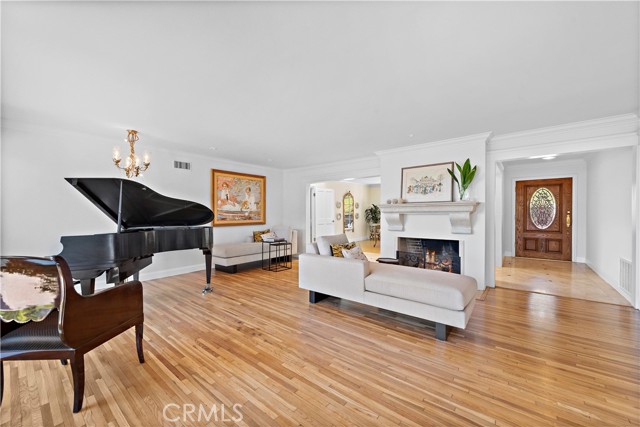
x=441, y=331
x=232, y=269
x=77, y=370
x=315, y=297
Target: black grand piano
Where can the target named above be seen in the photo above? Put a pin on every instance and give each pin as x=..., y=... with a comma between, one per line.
x=147, y=223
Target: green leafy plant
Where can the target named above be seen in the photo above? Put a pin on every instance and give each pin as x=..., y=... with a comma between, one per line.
x=467, y=173
x=372, y=215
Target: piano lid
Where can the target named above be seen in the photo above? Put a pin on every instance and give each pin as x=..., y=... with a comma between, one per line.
x=141, y=206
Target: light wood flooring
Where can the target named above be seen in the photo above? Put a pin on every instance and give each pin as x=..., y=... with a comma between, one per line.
x=561, y=278
x=525, y=359
x=372, y=252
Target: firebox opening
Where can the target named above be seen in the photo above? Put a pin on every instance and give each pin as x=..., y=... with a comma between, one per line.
x=433, y=254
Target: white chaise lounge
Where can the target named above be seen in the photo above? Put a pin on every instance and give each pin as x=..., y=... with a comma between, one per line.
x=444, y=298
x=228, y=256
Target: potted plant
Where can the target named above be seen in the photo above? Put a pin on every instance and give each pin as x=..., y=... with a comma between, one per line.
x=372, y=215
x=467, y=173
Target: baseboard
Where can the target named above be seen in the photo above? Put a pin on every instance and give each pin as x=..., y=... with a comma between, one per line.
x=610, y=282
x=172, y=272
x=507, y=253
x=582, y=260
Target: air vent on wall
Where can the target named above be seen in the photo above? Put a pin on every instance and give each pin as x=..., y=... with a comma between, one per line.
x=626, y=278
x=182, y=165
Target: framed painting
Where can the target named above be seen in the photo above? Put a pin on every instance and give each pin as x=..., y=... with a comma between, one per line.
x=427, y=183
x=237, y=198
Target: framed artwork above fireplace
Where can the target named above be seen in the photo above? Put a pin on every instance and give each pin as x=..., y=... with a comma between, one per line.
x=427, y=183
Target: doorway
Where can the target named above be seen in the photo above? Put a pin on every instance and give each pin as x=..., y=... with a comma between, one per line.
x=543, y=223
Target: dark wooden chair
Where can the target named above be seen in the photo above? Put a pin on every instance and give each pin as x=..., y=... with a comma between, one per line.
x=55, y=322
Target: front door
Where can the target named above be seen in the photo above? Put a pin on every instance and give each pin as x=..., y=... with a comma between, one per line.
x=543, y=218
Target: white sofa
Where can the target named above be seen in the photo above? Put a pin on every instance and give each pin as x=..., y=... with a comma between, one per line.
x=444, y=298
x=228, y=256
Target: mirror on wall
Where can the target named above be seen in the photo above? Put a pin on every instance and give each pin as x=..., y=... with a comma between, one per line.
x=347, y=212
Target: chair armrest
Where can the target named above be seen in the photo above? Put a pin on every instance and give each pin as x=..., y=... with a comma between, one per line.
x=98, y=317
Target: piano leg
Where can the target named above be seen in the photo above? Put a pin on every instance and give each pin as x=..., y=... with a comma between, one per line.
x=207, y=270
x=88, y=286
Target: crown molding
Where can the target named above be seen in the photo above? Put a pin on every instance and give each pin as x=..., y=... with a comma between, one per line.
x=589, y=130
x=484, y=137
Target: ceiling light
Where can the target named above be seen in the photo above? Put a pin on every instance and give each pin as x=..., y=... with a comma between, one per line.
x=132, y=168
x=544, y=156
x=348, y=179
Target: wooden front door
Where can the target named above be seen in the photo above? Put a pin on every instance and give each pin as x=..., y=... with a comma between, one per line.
x=544, y=218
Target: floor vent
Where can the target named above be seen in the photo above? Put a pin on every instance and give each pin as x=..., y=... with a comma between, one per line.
x=182, y=165
x=626, y=278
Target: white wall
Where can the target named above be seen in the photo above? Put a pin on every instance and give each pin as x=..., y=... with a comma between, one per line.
x=576, y=169
x=39, y=206
x=609, y=211
x=438, y=226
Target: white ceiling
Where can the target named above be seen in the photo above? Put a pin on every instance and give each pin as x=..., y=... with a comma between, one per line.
x=299, y=83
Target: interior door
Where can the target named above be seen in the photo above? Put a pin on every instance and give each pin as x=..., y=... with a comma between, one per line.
x=544, y=218
x=323, y=201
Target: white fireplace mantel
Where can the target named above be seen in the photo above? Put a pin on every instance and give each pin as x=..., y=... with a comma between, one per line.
x=459, y=214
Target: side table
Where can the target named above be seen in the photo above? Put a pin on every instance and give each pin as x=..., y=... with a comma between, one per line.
x=278, y=256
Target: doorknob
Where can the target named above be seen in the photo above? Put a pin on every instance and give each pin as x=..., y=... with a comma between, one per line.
x=568, y=219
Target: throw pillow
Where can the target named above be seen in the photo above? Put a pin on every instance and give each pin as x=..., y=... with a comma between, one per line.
x=354, y=253
x=336, y=248
x=269, y=235
x=257, y=235
x=325, y=242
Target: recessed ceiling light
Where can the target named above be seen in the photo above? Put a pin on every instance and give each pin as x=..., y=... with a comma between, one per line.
x=545, y=156
x=410, y=135
x=348, y=179
x=212, y=148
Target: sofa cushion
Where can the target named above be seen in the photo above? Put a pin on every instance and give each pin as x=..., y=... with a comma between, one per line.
x=437, y=288
x=325, y=242
x=336, y=248
x=231, y=250
x=257, y=235
x=354, y=253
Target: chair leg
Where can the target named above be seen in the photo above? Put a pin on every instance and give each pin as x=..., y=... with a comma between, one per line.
x=139, y=331
x=63, y=361
x=77, y=369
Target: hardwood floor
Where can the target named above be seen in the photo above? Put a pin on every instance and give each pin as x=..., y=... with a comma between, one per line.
x=561, y=278
x=525, y=359
x=372, y=252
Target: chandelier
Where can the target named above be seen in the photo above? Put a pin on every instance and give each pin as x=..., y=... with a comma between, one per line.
x=132, y=166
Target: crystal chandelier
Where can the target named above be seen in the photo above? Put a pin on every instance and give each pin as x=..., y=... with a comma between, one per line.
x=132, y=166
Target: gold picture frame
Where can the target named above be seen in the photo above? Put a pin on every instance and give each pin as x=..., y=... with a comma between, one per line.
x=238, y=198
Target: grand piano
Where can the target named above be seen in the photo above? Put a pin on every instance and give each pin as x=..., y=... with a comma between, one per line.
x=147, y=223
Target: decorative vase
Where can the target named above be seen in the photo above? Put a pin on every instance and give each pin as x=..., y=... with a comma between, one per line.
x=465, y=196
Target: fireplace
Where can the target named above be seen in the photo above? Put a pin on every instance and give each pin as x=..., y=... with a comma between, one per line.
x=433, y=254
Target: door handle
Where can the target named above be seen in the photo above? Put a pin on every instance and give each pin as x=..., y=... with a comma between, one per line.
x=568, y=219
